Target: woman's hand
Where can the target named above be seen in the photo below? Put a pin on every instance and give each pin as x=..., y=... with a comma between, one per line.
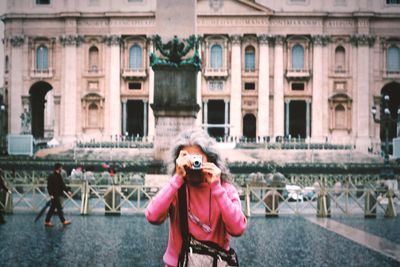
x=211, y=172
x=181, y=162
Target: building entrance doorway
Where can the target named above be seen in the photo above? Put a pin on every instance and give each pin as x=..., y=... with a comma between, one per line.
x=249, y=126
x=41, y=108
x=216, y=115
x=297, y=119
x=393, y=91
x=135, y=118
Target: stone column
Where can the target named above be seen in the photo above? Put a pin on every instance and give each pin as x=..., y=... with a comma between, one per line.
x=263, y=87
x=317, y=87
x=236, y=87
x=145, y=108
x=114, y=85
x=124, y=116
x=278, y=87
x=57, y=116
x=308, y=119
x=205, y=112
x=15, y=109
x=226, y=118
x=362, y=92
x=287, y=117
x=69, y=91
x=151, y=121
x=199, y=118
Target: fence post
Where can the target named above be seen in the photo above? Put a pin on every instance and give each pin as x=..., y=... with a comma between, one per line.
x=85, y=198
x=323, y=204
x=248, y=209
x=370, y=204
x=390, y=209
x=8, y=203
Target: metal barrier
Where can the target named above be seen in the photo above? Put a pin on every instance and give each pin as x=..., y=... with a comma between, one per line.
x=356, y=195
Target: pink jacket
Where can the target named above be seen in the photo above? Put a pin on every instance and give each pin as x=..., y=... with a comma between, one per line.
x=227, y=218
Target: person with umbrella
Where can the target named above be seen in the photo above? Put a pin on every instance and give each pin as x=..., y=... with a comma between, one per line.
x=2, y=187
x=56, y=188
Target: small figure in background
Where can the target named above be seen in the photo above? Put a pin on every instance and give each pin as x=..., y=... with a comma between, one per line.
x=6, y=190
x=56, y=188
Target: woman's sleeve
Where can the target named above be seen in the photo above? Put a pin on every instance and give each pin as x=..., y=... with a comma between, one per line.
x=231, y=209
x=157, y=210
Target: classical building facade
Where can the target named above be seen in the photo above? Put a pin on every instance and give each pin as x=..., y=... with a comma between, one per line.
x=302, y=68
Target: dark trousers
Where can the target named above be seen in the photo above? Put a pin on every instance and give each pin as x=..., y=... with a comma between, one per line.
x=55, y=204
x=1, y=217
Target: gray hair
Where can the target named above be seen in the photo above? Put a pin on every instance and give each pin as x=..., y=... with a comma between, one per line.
x=197, y=137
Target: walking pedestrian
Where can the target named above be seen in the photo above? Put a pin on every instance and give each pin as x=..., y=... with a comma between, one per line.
x=5, y=190
x=56, y=188
x=213, y=210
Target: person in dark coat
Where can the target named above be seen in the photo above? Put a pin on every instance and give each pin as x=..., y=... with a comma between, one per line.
x=56, y=188
x=2, y=187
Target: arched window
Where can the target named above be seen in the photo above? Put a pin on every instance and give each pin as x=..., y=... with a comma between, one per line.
x=135, y=57
x=93, y=120
x=393, y=59
x=340, y=55
x=93, y=59
x=340, y=117
x=297, y=57
x=216, y=56
x=42, y=58
x=249, y=59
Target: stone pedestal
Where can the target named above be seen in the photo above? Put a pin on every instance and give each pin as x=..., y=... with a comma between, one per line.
x=175, y=107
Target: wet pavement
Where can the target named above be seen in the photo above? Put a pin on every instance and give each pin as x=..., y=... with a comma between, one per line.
x=131, y=241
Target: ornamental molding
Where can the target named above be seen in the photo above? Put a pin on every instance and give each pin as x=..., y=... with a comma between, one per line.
x=71, y=40
x=321, y=40
x=278, y=39
x=17, y=41
x=263, y=39
x=363, y=40
x=236, y=39
x=112, y=40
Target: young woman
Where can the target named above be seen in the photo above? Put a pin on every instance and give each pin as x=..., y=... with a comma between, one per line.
x=213, y=206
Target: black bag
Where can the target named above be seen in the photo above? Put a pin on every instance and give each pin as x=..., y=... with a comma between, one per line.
x=197, y=253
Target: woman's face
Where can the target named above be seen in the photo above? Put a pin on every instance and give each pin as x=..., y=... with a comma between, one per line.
x=195, y=176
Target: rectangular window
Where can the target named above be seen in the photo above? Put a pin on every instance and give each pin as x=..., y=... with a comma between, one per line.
x=393, y=2
x=135, y=86
x=249, y=86
x=298, y=86
x=42, y=2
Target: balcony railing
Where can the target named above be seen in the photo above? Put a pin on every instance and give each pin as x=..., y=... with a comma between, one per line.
x=298, y=73
x=391, y=73
x=42, y=73
x=216, y=72
x=138, y=73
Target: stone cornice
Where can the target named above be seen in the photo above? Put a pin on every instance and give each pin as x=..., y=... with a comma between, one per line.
x=71, y=40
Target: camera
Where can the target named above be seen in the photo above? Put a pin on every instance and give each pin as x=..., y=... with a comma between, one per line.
x=196, y=161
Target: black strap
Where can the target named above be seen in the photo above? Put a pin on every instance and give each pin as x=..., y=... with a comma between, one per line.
x=183, y=221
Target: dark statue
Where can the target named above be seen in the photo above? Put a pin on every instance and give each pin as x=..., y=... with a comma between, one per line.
x=174, y=52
